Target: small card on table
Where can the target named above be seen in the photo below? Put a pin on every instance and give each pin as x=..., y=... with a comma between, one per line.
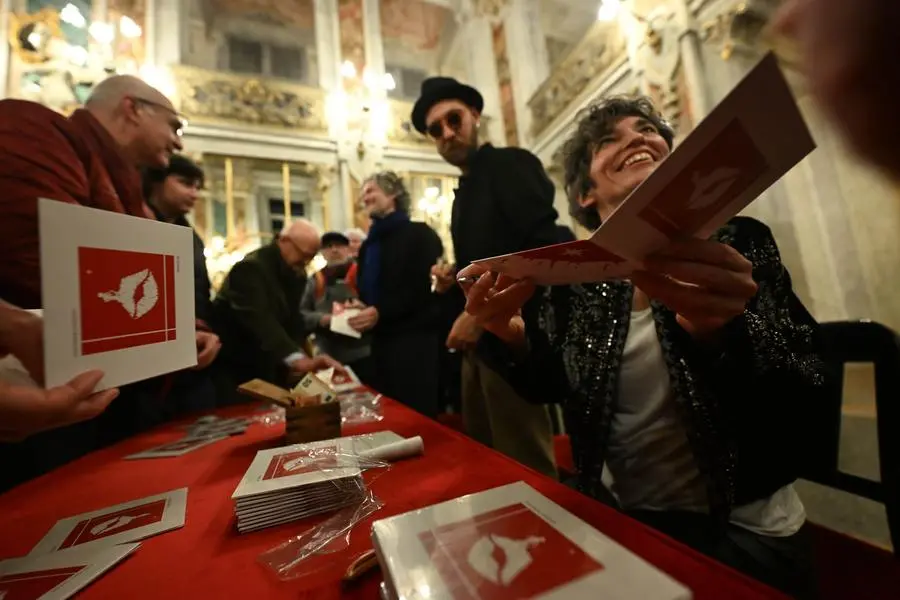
x=127, y=522
x=59, y=575
x=118, y=295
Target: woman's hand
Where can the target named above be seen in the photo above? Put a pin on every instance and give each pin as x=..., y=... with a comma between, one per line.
x=706, y=283
x=496, y=302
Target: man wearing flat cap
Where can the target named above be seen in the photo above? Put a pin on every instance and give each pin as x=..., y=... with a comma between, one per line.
x=504, y=203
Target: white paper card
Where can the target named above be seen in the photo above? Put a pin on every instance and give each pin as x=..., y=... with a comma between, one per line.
x=340, y=323
x=126, y=522
x=59, y=575
x=510, y=542
x=118, y=295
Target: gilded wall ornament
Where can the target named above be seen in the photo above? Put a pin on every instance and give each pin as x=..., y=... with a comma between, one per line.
x=220, y=97
x=602, y=46
x=739, y=28
x=488, y=8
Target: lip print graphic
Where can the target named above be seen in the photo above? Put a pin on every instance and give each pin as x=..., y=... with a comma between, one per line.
x=299, y=462
x=708, y=188
x=115, y=523
x=127, y=299
x=137, y=294
x=500, y=559
x=508, y=552
x=717, y=176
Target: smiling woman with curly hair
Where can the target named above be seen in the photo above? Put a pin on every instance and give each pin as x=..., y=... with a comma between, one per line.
x=690, y=382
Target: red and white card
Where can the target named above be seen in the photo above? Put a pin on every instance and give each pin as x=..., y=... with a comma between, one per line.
x=59, y=575
x=510, y=542
x=299, y=465
x=118, y=295
x=178, y=447
x=127, y=522
x=747, y=143
x=340, y=382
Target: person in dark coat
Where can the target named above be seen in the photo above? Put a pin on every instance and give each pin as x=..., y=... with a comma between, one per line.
x=171, y=193
x=257, y=314
x=394, y=283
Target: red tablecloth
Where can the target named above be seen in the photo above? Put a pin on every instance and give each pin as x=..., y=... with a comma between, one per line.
x=207, y=558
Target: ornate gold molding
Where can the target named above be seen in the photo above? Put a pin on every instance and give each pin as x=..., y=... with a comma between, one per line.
x=488, y=8
x=223, y=98
x=740, y=28
x=594, y=54
x=44, y=23
x=401, y=129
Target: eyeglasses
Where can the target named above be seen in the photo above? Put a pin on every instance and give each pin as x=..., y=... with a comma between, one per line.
x=177, y=122
x=453, y=119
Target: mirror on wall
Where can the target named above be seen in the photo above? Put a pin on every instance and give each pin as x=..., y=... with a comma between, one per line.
x=62, y=48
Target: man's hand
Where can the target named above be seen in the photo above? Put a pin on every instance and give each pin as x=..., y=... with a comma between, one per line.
x=706, y=283
x=26, y=410
x=365, y=320
x=319, y=362
x=465, y=332
x=443, y=277
x=23, y=337
x=325, y=321
x=208, y=346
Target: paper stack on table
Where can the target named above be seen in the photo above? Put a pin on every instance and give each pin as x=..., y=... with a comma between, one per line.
x=509, y=542
x=747, y=143
x=204, y=431
x=340, y=382
x=298, y=481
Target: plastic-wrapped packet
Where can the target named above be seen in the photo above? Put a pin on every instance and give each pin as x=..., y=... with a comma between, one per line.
x=314, y=549
x=360, y=407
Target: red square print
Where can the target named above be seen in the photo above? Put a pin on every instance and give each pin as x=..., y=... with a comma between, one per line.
x=127, y=299
x=300, y=462
x=510, y=552
x=112, y=523
x=34, y=584
x=722, y=171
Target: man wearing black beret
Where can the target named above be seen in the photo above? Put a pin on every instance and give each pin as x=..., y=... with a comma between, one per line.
x=504, y=203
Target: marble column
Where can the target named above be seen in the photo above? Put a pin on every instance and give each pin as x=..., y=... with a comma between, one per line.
x=481, y=68
x=327, y=43
x=692, y=61
x=166, y=32
x=528, y=61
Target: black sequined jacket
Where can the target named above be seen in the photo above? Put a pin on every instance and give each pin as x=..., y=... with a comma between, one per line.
x=743, y=402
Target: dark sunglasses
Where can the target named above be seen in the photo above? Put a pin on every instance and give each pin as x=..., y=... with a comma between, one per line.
x=453, y=120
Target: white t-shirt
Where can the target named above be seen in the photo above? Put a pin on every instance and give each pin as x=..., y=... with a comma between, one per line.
x=649, y=457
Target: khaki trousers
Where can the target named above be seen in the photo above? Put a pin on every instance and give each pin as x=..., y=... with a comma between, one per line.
x=495, y=415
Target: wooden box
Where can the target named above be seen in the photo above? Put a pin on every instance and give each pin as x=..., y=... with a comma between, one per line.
x=307, y=418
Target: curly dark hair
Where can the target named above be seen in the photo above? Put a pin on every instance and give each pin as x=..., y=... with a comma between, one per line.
x=593, y=123
x=392, y=185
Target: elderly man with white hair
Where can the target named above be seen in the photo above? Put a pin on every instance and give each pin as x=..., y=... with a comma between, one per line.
x=356, y=236
x=257, y=312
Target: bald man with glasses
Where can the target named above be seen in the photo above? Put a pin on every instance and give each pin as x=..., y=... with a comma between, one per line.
x=91, y=158
x=257, y=313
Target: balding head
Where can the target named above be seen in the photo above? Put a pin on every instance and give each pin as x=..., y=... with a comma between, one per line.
x=140, y=118
x=299, y=243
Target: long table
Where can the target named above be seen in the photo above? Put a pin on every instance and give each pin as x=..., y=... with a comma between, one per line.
x=207, y=558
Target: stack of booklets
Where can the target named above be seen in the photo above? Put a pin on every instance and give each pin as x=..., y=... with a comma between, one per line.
x=298, y=481
x=509, y=542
